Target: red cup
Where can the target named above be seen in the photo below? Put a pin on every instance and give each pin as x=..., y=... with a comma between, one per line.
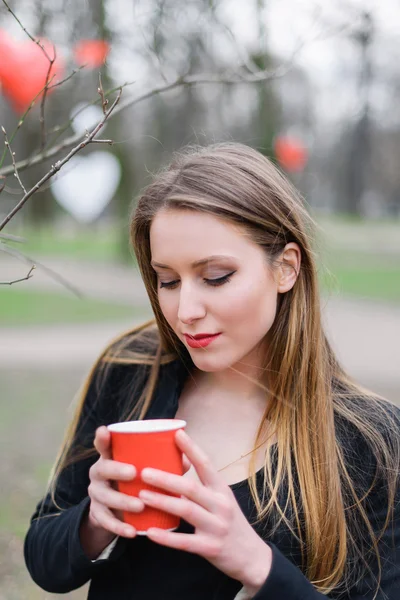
x=147, y=443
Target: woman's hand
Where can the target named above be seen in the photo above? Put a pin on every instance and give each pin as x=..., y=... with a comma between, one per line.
x=106, y=502
x=222, y=535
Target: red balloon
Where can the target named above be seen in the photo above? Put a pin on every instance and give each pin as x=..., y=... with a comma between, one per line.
x=291, y=153
x=24, y=68
x=92, y=53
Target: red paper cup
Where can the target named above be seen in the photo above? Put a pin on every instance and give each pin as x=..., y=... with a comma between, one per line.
x=147, y=443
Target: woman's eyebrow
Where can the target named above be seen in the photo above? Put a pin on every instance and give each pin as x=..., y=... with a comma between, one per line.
x=197, y=263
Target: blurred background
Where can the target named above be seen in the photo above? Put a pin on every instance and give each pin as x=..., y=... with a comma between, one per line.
x=327, y=114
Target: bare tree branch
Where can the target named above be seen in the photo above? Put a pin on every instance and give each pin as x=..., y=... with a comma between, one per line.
x=245, y=58
x=205, y=78
x=16, y=174
x=27, y=32
x=19, y=125
x=2, y=183
x=104, y=101
x=152, y=48
x=60, y=129
x=59, y=164
x=42, y=104
x=30, y=261
x=73, y=72
x=28, y=276
x=109, y=142
x=46, y=85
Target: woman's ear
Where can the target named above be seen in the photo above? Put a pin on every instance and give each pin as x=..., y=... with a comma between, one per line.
x=289, y=268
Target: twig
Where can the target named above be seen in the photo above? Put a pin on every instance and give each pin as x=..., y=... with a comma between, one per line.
x=104, y=101
x=51, y=63
x=21, y=122
x=59, y=164
x=41, y=118
x=74, y=71
x=30, y=261
x=246, y=60
x=59, y=129
x=180, y=81
x=27, y=32
x=154, y=55
x=33, y=267
x=2, y=183
x=109, y=142
x=16, y=174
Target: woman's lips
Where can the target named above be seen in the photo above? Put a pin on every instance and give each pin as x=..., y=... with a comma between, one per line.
x=202, y=342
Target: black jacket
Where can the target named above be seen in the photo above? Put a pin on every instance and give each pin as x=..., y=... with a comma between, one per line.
x=139, y=569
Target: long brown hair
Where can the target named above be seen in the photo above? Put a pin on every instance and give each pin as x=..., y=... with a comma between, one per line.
x=308, y=391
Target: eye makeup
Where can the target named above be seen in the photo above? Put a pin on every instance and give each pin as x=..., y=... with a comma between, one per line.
x=212, y=282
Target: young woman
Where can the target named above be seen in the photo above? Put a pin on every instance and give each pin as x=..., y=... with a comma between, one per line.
x=290, y=488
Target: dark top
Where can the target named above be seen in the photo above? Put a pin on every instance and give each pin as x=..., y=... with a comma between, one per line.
x=141, y=569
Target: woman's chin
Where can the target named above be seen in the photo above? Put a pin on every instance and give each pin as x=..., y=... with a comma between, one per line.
x=210, y=364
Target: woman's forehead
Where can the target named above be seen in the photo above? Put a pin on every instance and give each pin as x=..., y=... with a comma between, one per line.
x=193, y=225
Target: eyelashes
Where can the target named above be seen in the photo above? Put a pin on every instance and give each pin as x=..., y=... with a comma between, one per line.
x=212, y=282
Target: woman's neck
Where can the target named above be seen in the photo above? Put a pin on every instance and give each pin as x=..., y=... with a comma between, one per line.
x=230, y=387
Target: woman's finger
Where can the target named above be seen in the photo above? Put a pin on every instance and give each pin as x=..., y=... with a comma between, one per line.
x=194, y=544
x=105, y=519
x=182, y=507
x=102, y=441
x=114, y=499
x=182, y=486
x=117, y=471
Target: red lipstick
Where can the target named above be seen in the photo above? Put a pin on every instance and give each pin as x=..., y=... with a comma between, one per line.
x=201, y=340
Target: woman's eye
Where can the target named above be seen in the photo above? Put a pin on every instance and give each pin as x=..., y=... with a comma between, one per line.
x=213, y=282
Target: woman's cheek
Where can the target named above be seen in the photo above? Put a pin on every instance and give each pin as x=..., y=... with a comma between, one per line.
x=169, y=308
x=240, y=301
x=251, y=306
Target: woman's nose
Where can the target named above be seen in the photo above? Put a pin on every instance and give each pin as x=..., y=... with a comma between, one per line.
x=191, y=306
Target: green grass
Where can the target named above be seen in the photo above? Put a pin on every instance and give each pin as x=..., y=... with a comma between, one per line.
x=85, y=243
x=18, y=307
x=361, y=261
x=363, y=281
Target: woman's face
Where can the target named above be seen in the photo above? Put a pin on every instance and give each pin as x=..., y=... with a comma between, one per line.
x=241, y=307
